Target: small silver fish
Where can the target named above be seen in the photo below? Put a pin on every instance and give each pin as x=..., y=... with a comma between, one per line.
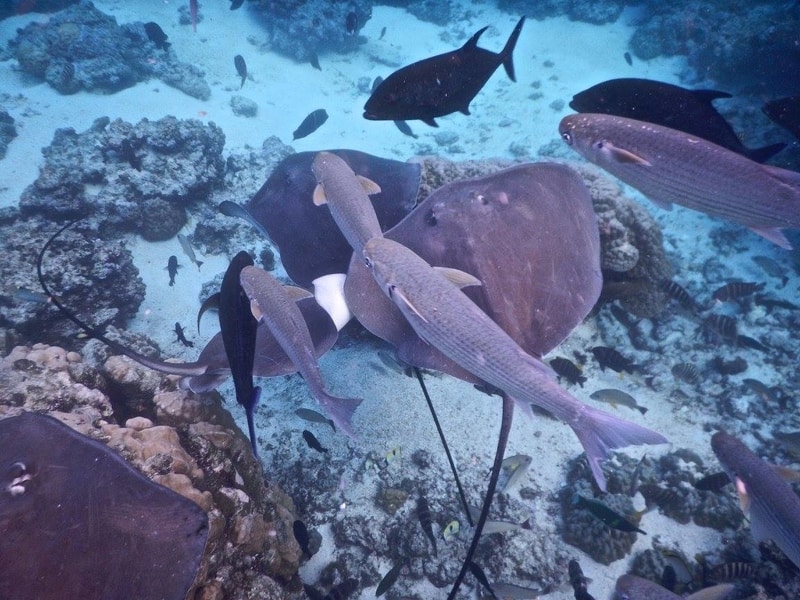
x=314, y=417
x=187, y=249
x=617, y=397
x=512, y=470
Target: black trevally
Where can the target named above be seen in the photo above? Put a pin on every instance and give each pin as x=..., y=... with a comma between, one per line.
x=441, y=84
x=310, y=124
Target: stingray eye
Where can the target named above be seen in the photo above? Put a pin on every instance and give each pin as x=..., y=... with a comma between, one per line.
x=482, y=199
x=368, y=262
x=567, y=137
x=390, y=290
x=598, y=145
x=430, y=219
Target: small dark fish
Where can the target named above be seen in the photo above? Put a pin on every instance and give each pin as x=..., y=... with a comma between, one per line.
x=764, y=393
x=786, y=113
x=771, y=268
x=310, y=124
x=241, y=68
x=314, y=417
x=156, y=35
x=424, y=516
x=182, y=338
x=770, y=303
x=404, y=128
x=442, y=84
x=732, y=570
x=628, y=58
x=389, y=579
x=301, y=535
x=129, y=154
x=735, y=290
x=676, y=292
x=383, y=33
x=236, y=4
x=578, y=581
x=351, y=23
x=616, y=397
x=172, y=269
x=312, y=441
x=712, y=483
x=718, y=326
x=314, y=60
x=610, y=517
x=729, y=367
x=686, y=372
x=748, y=342
x=790, y=440
x=608, y=357
x=636, y=476
x=568, y=370
x=478, y=574
x=654, y=494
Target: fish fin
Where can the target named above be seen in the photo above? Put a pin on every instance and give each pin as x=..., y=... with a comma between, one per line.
x=296, y=293
x=211, y=302
x=599, y=432
x=715, y=592
x=662, y=204
x=473, y=41
x=744, y=499
x=319, y=195
x=764, y=153
x=407, y=302
x=369, y=186
x=251, y=427
x=506, y=55
x=709, y=95
x=641, y=409
x=329, y=294
x=524, y=407
x=774, y=235
x=465, y=110
x=457, y=277
x=341, y=410
x=621, y=155
x=790, y=178
x=255, y=309
x=430, y=121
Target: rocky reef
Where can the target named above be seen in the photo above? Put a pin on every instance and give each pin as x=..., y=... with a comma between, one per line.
x=187, y=443
x=130, y=178
x=8, y=131
x=82, y=48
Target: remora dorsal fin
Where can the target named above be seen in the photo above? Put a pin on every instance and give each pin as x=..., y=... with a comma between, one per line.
x=297, y=293
x=319, y=195
x=369, y=186
x=621, y=155
x=457, y=277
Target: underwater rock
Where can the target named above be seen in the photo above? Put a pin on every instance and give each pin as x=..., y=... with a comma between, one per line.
x=437, y=171
x=206, y=459
x=7, y=132
x=81, y=48
x=129, y=178
x=301, y=29
x=243, y=107
x=96, y=278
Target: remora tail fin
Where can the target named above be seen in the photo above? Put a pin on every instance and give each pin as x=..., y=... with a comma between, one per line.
x=600, y=431
x=506, y=55
x=341, y=410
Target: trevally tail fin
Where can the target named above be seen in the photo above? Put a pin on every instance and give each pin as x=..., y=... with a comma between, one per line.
x=506, y=55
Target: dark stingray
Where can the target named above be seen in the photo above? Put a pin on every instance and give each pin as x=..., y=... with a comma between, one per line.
x=528, y=233
x=78, y=522
x=212, y=367
x=309, y=242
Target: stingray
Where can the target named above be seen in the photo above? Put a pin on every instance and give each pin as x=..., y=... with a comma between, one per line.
x=528, y=233
x=79, y=522
x=307, y=238
x=212, y=366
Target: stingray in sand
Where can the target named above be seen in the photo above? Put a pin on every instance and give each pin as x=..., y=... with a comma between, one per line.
x=80, y=522
x=307, y=238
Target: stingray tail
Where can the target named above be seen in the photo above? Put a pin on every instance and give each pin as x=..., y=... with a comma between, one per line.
x=341, y=410
x=507, y=53
x=600, y=432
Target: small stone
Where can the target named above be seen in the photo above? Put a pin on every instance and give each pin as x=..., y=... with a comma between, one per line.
x=138, y=423
x=243, y=107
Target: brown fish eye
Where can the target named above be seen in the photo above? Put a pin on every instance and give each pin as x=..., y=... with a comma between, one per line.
x=567, y=137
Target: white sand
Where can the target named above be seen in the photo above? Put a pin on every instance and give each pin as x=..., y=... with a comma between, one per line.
x=578, y=55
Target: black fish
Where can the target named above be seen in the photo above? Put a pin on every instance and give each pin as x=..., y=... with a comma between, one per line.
x=156, y=35
x=383, y=33
x=748, y=342
x=236, y=4
x=578, y=581
x=301, y=535
x=172, y=269
x=786, y=113
x=404, y=128
x=389, y=579
x=241, y=68
x=314, y=60
x=628, y=58
x=312, y=441
x=310, y=124
x=668, y=105
x=424, y=516
x=712, y=483
x=735, y=290
x=238, y=328
x=129, y=154
x=440, y=85
x=770, y=303
x=567, y=369
x=610, y=517
x=478, y=574
x=676, y=292
x=351, y=23
x=608, y=357
x=182, y=338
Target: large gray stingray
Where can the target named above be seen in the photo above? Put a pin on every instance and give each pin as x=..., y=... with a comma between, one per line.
x=309, y=242
x=528, y=233
x=77, y=521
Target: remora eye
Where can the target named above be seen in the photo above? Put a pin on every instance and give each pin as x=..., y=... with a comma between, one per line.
x=567, y=137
